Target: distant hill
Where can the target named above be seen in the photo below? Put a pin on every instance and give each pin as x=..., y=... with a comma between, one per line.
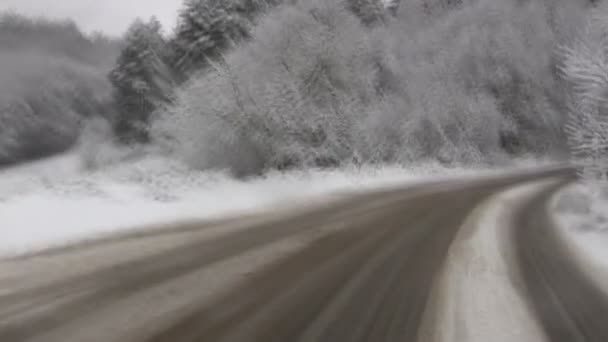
x=51, y=77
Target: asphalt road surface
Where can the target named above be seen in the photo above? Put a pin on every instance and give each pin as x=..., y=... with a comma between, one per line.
x=377, y=266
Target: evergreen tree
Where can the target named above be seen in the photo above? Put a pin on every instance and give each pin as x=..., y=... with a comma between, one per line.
x=206, y=28
x=141, y=79
x=369, y=11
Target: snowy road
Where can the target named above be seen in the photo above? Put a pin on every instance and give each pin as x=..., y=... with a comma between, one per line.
x=475, y=260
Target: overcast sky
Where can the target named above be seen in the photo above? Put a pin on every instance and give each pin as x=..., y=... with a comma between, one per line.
x=109, y=16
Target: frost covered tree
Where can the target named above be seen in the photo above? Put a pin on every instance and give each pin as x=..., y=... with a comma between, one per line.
x=141, y=78
x=585, y=67
x=314, y=87
x=292, y=98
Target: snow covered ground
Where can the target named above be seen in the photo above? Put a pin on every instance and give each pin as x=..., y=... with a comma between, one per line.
x=582, y=211
x=57, y=201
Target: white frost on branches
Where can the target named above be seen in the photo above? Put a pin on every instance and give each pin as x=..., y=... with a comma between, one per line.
x=585, y=67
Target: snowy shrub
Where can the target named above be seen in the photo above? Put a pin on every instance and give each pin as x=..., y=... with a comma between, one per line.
x=289, y=98
x=97, y=147
x=470, y=83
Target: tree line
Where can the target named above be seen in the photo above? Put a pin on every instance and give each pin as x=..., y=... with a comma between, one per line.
x=251, y=85
x=152, y=64
x=53, y=77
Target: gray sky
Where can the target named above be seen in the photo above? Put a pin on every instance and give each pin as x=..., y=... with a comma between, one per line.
x=109, y=16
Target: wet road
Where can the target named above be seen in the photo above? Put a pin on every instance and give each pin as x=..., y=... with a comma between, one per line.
x=357, y=268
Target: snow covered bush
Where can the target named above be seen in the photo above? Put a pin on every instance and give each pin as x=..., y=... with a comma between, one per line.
x=288, y=98
x=472, y=83
x=97, y=147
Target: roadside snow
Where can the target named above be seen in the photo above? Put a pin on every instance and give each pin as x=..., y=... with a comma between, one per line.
x=584, y=215
x=477, y=297
x=57, y=202
x=582, y=211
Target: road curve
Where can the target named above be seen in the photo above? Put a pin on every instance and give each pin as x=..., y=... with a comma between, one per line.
x=360, y=268
x=570, y=304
